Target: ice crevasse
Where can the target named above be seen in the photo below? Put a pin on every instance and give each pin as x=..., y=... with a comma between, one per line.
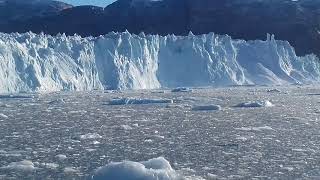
x=38, y=62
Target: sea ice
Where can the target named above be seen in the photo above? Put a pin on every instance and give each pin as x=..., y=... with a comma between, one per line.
x=90, y=136
x=126, y=101
x=126, y=127
x=70, y=170
x=3, y=116
x=61, y=157
x=181, y=89
x=253, y=104
x=273, y=91
x=24, y=165
x=207, y=108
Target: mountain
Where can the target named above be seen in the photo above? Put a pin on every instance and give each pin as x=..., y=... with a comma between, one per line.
x=297, y=21
x=11, y=10
x=14, y=13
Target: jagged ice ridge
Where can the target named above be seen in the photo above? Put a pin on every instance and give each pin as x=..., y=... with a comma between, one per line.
x=38, y=62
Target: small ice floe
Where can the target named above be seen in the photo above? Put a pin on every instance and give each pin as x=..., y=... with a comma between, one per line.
x=148, y=141
x=61, y=157
x=3, y=116
x=181, y=89
x=12, y=96
x=24, y=165
x=262, y=128
x=273, y=91
x=90, y=136
x=154, y=169
x=207, y=108
x=95, y=142
x=57, y=101
x=90, y=149
x=212, y=176
x=313, y=94
x=51, y=166
x=70, y=170
x=126, y=127
x=78, y=112
x=241, y=138
x=254, y=104
x=177, y=106
x=126, y=101
x=135, y=125
x=6, y=106
x=10, y=154
x=304, y=150
x=158, y=92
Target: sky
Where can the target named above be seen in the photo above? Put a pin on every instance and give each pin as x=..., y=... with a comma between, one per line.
x=101, y=3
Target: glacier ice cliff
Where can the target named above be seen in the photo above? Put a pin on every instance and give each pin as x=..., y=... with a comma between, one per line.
x=38, y=62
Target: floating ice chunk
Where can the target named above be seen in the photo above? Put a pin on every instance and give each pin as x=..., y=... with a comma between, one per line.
x=175, y=106
x=148, y=141
x=10, y=154
x=57, y=101
x=24, y=165
x=50, y=165
x=135, y=125
x=212, y=176
x=5, y=106
x=126, y=127
x=78, y=112
x=207, y=108
x=126, y=101
x=61, y=157
x=70, y=170
x=262, y=128
x=3, y=116
x=253, y=104
x=273, y=91
x=90, y=136
x=154, y=169
x=182, y=89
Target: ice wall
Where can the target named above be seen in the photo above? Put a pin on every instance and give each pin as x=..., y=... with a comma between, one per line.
x=31, y=62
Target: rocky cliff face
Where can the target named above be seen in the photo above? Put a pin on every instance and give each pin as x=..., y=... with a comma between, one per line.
x=14, y=14
x=295, y=21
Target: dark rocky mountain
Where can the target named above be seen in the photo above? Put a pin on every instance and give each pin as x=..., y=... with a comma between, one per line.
x=14, y=13
x=297, y=21
x=25, y=9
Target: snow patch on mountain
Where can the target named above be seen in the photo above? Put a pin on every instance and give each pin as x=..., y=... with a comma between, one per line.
x=31, y=62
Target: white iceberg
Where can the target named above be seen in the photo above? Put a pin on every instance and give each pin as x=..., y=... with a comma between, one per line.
x=253, y=104
x=154, y=169
x=24, y=165
x=207, y=108
x=126, y=101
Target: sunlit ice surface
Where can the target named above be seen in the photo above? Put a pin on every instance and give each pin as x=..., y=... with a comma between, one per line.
x=204, y=133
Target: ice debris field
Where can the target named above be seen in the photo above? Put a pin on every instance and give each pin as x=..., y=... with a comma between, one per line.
x=146, y=109
x=42, y=63
x=193, y=134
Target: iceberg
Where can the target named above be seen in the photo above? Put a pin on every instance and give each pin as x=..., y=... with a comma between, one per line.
x=40, y=63
x=153, y=169
x=255, y=104
x=207, y=108
x=128, y=101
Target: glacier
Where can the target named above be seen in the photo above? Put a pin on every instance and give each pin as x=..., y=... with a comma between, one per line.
x=42, y=63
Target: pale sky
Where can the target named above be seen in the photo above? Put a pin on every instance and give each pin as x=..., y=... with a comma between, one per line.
x=101, y=3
